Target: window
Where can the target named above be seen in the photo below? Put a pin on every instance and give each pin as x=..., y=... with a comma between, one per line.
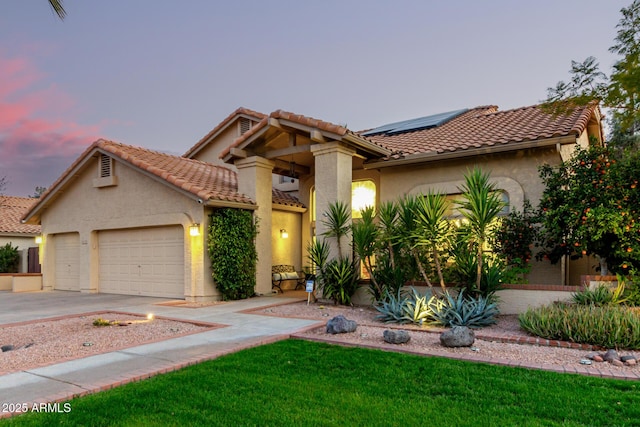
x=363, y=194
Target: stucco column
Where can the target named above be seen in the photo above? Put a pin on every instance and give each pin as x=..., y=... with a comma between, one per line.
x=254, y=181
x=333, y=175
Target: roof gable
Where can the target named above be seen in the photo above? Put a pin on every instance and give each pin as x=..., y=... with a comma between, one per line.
x=239, y=113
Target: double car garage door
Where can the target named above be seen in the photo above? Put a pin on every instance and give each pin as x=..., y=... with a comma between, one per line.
x=148, y=261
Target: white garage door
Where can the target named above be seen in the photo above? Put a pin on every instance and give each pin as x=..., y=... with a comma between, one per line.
x=147, y=261
x=67, y=254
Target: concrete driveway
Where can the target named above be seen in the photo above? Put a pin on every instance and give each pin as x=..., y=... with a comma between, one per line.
x=66, y=380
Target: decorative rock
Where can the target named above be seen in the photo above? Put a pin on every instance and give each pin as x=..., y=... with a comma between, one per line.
x=598, y=358
x=611, y=355
x=395, y=336
x=6, y=347
x=475, y=349
x=458, y=336
x=630, y=362
x=341, y=325
x=586, y=362
x=87, y=344
x=627, y=358
x=616, y=362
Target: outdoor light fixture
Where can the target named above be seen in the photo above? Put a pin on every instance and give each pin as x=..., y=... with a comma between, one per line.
x=284, y=234
x=194, y=229
x=150, y=316
x=38, y=239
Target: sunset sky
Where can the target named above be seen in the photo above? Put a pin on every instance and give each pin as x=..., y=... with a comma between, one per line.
x=161, y=74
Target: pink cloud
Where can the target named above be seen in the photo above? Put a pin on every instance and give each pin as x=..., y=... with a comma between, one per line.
x=36, y=125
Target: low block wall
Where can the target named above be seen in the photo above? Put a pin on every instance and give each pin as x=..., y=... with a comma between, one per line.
x=513, y=299
x=516, y=299
x=21, y=282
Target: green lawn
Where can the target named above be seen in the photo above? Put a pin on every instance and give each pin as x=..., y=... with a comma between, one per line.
x=303, y=383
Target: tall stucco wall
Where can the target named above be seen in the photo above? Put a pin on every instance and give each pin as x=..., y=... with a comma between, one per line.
x=287, y=251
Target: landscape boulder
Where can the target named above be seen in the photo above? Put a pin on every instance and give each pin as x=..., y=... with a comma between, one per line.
x=458, y=336
x=393, y=336
x=341, y=325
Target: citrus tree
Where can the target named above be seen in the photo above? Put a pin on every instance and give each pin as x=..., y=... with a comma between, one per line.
x=590, y=206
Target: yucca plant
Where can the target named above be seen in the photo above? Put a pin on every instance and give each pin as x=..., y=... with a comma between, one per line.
x=407, y=231
x=339, y=280
x=464, y=310
x=388, y=218
x=433, y=230
x=480, y=205
x=365, y=236
x=337, y=220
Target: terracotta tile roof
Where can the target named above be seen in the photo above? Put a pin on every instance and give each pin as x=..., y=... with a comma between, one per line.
x=300, y=119
x=486, y=127
x=238, y=112
x=204, y=180
x=286, y=199
x=11, y=211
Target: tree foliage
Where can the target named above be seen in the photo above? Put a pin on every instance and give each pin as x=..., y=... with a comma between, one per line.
x=620, y=91
x=9, y=258
x=590, y=206
x=232, y=252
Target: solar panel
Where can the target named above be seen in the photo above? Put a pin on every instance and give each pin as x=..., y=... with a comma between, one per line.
x=416, y=124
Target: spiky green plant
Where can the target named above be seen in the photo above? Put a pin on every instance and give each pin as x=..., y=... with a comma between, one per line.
x=600, y=296
x=337, y=220
x=388, y=218
x=480, y=205
x=392, y=308
x=610, y=326
x=418, y=308
x=339, y=281
x=433, y=230
x=407, y=231
x=365, y=234
x=464, y=310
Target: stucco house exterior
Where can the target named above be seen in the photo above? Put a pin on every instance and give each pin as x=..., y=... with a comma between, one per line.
x=14, y=231
x=125, y=219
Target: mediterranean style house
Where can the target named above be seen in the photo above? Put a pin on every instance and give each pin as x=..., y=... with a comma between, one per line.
x=129, y=220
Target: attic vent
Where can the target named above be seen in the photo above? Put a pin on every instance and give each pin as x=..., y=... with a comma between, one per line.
x=106, y=166
x=244, y=126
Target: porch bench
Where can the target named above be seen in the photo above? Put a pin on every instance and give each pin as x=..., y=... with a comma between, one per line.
x=284, y=273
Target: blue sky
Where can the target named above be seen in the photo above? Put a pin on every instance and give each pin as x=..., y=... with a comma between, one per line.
x=161, y=74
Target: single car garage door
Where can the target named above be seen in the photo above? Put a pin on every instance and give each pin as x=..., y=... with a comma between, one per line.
x=67, y=255
x=146, y=261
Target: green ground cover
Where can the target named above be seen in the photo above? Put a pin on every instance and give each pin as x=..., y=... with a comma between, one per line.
x=304, y=383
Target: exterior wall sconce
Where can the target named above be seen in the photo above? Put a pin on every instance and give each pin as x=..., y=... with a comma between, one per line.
x=39, y=239
x=284, y=234
x=194, y=229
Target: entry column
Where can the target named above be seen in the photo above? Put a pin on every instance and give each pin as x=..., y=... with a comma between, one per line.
x=333, y=175
x=254, y=181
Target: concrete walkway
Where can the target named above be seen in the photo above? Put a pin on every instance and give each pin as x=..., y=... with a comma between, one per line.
x=63, y=381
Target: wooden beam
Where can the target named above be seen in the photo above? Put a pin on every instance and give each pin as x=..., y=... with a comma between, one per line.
x=237, y=152
x=317, y=136
x=286, y=166
x=272, y=154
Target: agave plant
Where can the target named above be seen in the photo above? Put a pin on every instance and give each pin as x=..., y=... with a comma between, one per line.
x=393, y=308
x=464, y=311
x=418, y=308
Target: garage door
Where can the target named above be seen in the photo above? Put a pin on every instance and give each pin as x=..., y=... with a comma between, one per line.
x=148, y=261
x=67, y=254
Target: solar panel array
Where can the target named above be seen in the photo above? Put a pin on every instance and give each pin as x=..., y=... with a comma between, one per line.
x=415, y=124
